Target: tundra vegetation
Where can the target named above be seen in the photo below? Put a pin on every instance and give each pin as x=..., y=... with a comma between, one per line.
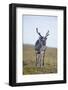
x=29, y=61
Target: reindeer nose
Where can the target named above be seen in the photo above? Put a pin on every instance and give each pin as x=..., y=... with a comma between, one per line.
x=43, y=43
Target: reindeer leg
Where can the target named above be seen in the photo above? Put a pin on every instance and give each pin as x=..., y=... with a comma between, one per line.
x=40, y=60
x=36, y=59
x=43, y=57
x=36, y=63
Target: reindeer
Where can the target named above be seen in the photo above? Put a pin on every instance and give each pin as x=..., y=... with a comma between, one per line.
x=40, y=48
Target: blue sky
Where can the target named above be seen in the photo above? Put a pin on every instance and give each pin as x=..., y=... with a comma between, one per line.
x=43, y=23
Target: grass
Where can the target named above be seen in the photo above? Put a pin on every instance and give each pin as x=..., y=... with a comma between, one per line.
x=29, y=60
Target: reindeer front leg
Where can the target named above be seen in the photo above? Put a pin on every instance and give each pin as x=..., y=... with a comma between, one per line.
x=38, y=60
x=42, y=59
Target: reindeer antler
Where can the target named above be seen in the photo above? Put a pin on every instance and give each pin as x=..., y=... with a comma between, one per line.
x=38, y=32
x=47, y=33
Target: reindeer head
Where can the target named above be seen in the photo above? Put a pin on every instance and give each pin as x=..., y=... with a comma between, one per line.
x=42, y=39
